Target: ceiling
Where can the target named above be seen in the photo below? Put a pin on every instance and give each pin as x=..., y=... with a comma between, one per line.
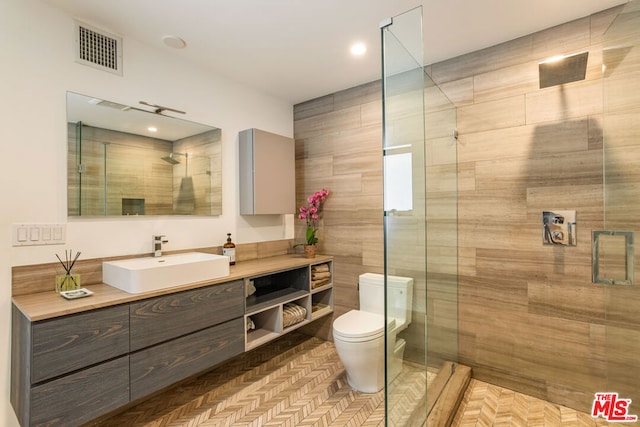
x=299, y=50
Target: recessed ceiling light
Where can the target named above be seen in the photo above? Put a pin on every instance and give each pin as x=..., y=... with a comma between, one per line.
x=152, y=129
x=174, y=42
x=358, y=49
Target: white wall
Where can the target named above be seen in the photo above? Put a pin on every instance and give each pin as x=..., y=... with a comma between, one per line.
x=36, y=45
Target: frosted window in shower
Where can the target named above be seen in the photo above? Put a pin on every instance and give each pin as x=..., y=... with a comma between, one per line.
x=398, y=182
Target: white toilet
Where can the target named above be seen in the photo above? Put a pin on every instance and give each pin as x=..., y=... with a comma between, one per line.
x=359, y=334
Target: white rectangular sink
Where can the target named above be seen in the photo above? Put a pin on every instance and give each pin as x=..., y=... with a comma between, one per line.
x=138, y=275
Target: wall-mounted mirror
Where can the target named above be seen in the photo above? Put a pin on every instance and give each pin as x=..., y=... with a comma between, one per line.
x=124, y=160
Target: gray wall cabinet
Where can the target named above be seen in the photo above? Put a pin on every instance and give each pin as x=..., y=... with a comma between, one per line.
x=266, y=162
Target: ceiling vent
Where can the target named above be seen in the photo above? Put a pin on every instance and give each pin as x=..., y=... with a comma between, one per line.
x=98, y=49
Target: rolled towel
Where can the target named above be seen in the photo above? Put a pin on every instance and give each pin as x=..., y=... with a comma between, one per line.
x=292, y=314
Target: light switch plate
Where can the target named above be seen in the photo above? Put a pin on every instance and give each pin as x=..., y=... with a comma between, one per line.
x=38, y=234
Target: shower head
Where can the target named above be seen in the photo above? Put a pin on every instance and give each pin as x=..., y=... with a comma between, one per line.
x=171, y=159
x=565, y=69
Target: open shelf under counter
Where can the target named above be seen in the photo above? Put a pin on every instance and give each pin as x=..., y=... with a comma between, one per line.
x=321, y=302
x=320, y=310
x=286, y=297
x=258, y=303
x=262, y=326
x=269, y=322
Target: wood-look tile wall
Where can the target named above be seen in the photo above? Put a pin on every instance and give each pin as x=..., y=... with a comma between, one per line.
x=339, y=147
x=529, y=317
x=622, y=164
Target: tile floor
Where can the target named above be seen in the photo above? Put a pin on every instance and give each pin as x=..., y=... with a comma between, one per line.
x=299, y=381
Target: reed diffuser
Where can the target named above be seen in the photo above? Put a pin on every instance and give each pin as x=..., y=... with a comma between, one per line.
x=68, y=281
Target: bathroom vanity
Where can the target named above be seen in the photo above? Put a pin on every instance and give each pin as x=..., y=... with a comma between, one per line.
x=73, y=361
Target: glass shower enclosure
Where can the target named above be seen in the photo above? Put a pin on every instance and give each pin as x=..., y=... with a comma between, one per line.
x=615, y=258
x=420, y=218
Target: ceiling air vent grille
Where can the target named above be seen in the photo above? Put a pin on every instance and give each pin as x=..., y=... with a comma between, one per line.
x=98, y=49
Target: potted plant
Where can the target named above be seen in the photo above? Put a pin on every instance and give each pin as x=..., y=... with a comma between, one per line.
x=310, y=212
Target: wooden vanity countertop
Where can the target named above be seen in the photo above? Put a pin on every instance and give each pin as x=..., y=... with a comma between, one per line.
x=47, y=305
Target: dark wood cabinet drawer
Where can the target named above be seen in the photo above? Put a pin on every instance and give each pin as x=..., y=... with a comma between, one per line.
x=162, y=365
x=160, y=319
x=69, y=343
x=80, y=397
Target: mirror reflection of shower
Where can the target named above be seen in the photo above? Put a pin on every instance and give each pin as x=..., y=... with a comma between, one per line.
x=138, y=162
x=189, y=187
x=185, y=202
x=171, y=158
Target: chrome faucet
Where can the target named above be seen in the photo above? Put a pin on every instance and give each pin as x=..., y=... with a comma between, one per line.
x=157, y=245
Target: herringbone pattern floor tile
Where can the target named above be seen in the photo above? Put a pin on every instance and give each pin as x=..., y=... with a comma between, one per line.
x=486, y=405
x=295, y=381
x=298, y=381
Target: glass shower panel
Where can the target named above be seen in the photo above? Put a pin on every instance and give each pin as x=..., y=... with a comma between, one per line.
x=86, y=171
x=442, y=226
x=420, y=219
x=200, y=177
x=74, y=177
x=621, y=132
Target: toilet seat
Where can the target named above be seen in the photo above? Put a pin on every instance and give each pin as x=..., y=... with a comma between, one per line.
x=369, y=350
x=361, y=345
x=357, y=325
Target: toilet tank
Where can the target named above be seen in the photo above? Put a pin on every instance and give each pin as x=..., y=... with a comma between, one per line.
x=400, y=296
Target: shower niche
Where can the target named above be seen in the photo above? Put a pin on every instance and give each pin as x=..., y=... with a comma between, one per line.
x=132, y=206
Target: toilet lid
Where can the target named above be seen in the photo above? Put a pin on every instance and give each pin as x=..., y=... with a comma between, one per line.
x=358, y=324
